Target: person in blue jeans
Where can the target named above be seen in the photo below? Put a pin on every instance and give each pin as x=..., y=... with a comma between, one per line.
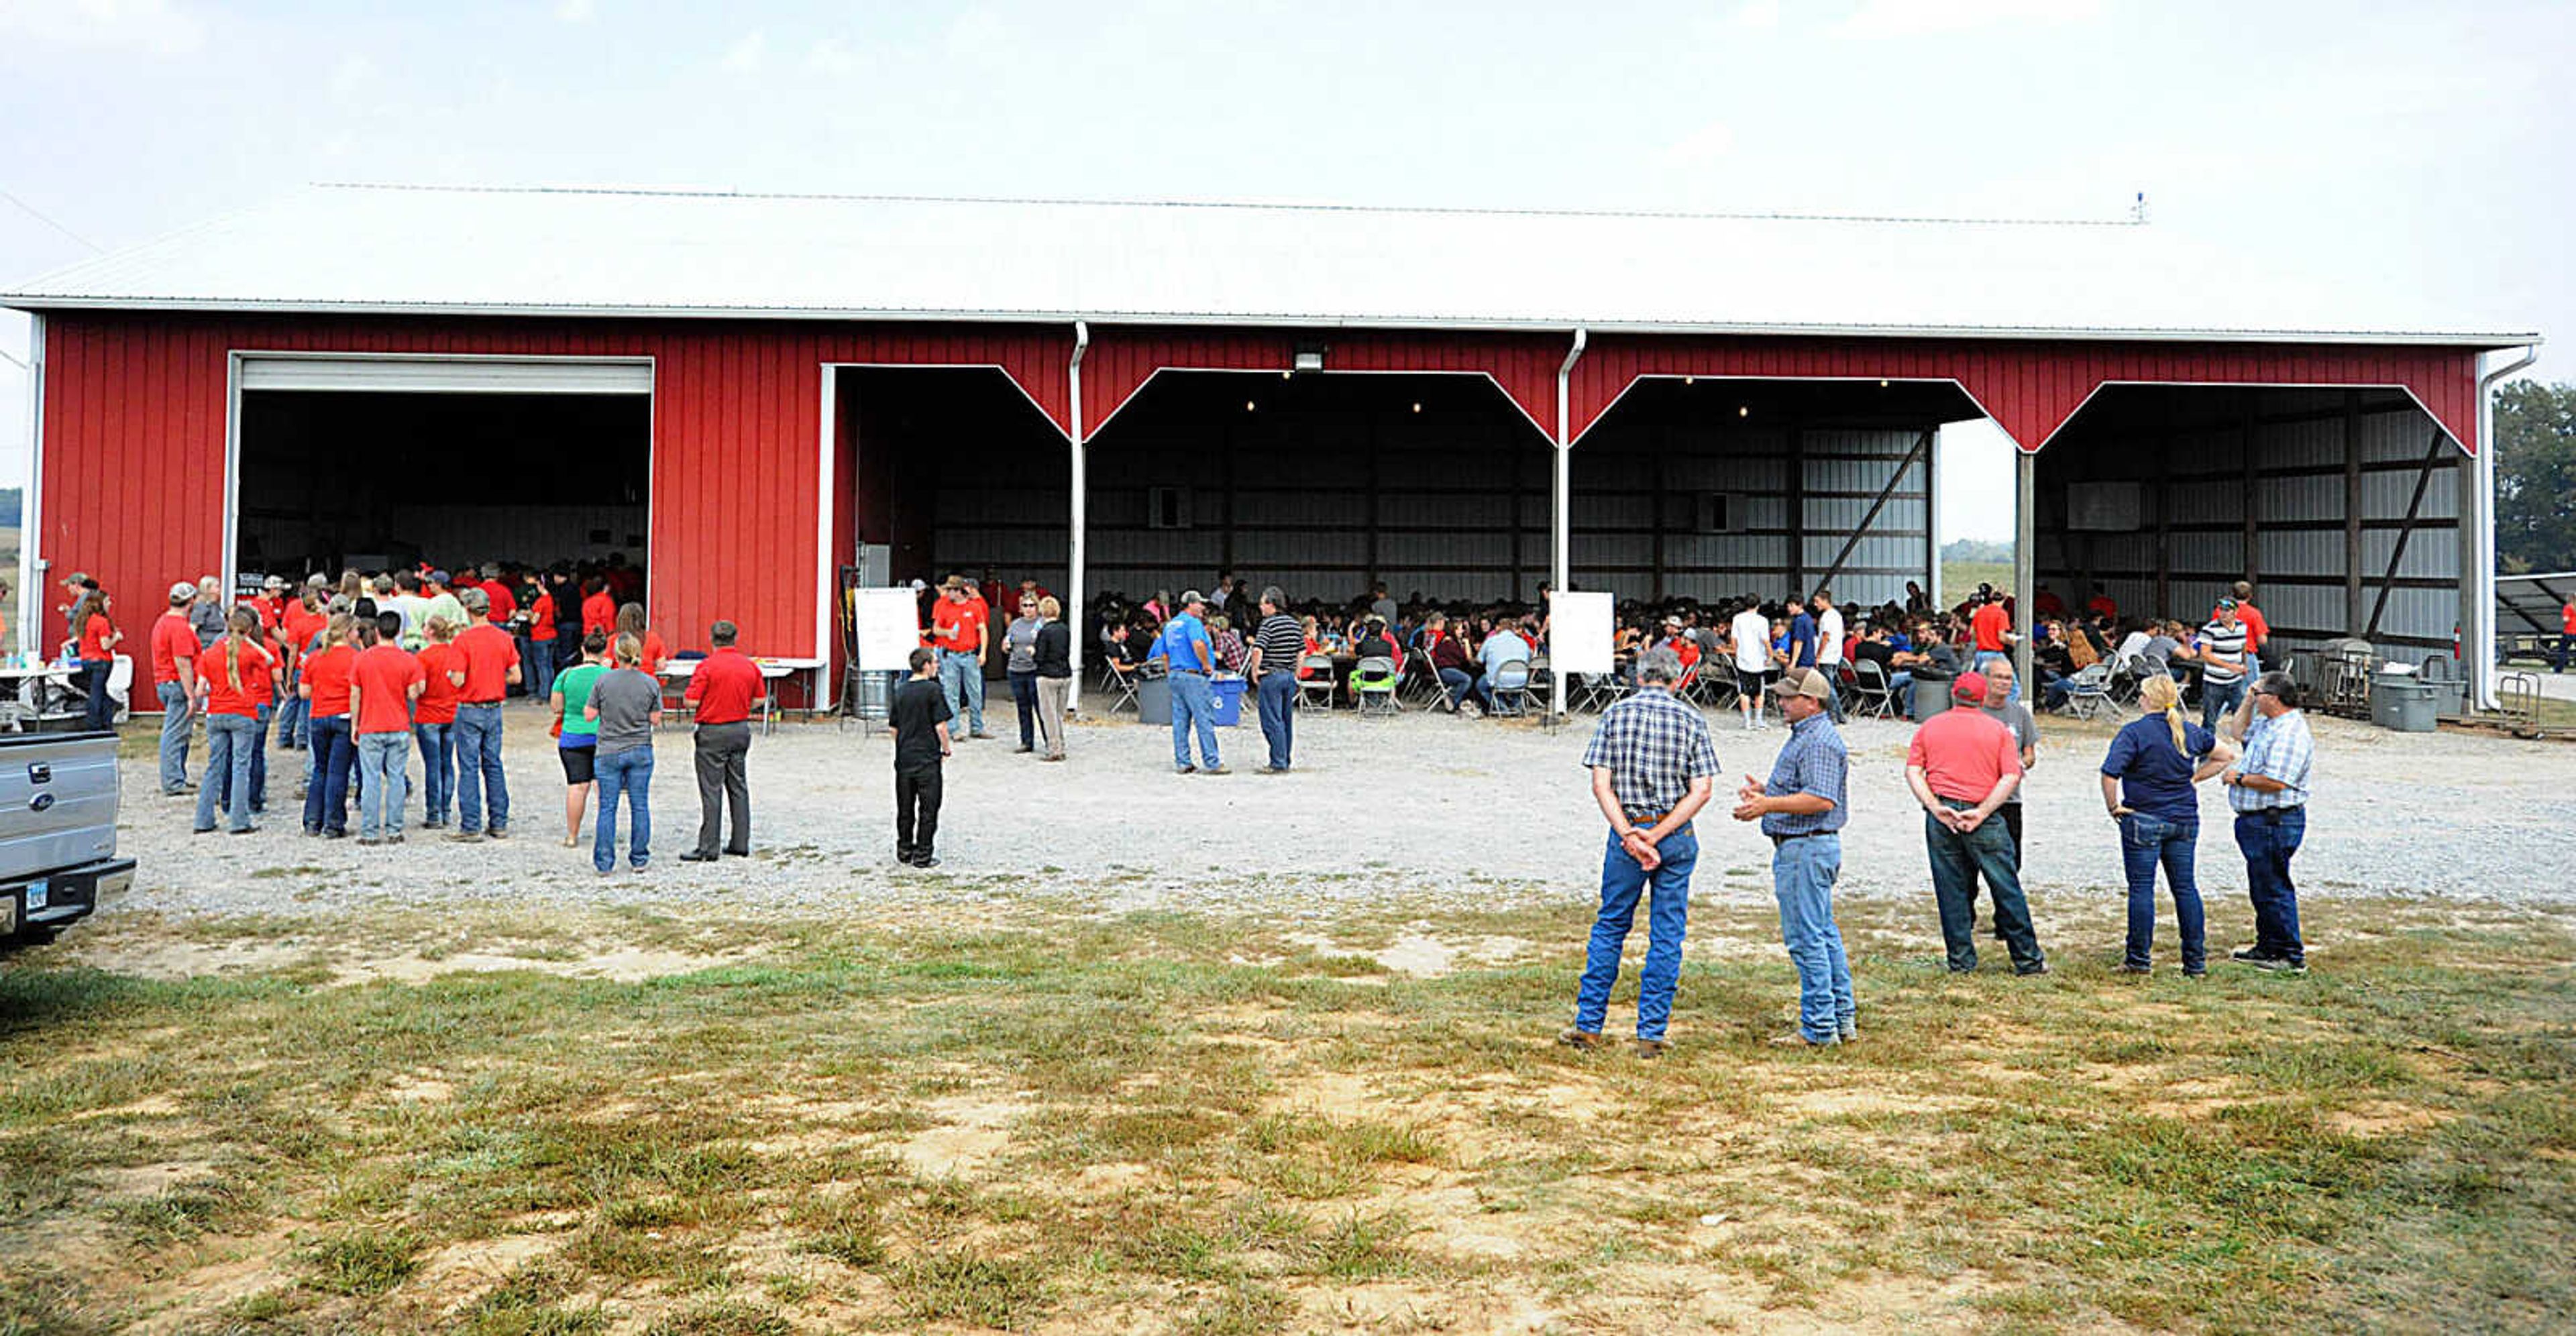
x=1653, y=767
x=1277, y=646
x=1962, y=765
x=2268, y=787
x=626, y=704
x=2147, y=785
x=1801, y=808
x=1187, y=653
x=325, y=686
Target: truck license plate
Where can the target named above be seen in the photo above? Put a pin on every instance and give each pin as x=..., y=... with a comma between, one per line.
x=39, y=893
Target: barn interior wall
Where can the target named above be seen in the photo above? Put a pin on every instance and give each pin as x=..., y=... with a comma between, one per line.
x=2273, y=465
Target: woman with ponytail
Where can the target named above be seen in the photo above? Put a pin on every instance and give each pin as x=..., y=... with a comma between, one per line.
x=233, y=687
x=2147, y=786
x=325, y=689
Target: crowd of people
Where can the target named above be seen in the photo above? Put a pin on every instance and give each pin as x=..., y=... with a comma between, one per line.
x=361, y=673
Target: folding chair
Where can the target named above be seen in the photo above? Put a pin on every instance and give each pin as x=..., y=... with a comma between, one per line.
x=1872, y=693
x=1374, y=681
x=1595, y=691
x=1120, y=687
x=1315, y=689
x=1510, y=689
x=2088, y=693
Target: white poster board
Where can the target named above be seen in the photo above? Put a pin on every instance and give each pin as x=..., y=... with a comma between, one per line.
x=889, y=628
x=1580, y=632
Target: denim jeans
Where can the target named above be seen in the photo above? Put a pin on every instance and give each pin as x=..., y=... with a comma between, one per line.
x=1802, y=880
x=477, y=732
x=1024, y=694
x=2217, y=701
x=326, y=793
x=1667, y=919
x=383, y=787
x=1193, y=701
x=1900, y=686
x=1957, y=861
x=231, y=740
x=176, y=719
x=1458, y=682
x=2269, y=840
x=629, y=772
x=259, y=758
x=961, y=680
x=1278, y=705
x=540, y=659
x=291, y=712
x=437, y=744
x=2146, y=841
x=98, y=711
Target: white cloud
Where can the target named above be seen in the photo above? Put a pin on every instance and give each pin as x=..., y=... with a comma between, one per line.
x=576, y=11
x=354, y=74
x=833, y=56
x=1925, y=18
x=745, y=55
x=162, y=27
x=979, y=32
x=1763, y=15
x=1703, y=146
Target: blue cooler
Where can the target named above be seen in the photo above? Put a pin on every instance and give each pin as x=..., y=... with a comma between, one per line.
x=1229, y=689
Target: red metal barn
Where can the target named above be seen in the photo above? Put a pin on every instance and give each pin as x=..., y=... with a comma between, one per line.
x=745, y=393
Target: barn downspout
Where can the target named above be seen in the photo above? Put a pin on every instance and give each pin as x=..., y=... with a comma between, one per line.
x=1561, y=528
x=1078, y=487
x=2478, y=635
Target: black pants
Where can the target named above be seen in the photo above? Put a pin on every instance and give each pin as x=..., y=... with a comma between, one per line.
x=916, y=812
x=724, y=780
x=2011, y=815
x=1024, y=693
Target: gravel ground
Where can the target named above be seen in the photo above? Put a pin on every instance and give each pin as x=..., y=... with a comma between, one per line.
x=1422, y=807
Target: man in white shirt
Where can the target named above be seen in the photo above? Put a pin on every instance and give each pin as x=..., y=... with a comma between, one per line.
x=1752, y=633
x=1503, y=646
x=1829, y=650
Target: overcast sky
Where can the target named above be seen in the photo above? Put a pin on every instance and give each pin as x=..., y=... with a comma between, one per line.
x=2418, y=149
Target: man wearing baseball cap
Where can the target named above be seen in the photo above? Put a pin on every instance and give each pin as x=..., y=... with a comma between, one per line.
x=1185, y=650
x=174, y=677
x=1801, y=809
x=959, y=627
x=1962, y=765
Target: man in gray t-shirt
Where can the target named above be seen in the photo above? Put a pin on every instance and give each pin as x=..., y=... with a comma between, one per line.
x=627, y=702
x=2014, y=716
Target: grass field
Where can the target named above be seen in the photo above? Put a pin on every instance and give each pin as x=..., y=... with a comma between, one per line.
x=1075, y=1120
x=9, y=604
x=1961, y=578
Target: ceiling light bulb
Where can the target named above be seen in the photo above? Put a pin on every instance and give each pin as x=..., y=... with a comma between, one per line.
x=1417, y=408
x=1247, y=405
x=1882, y=384
x=1742, y=410
x=1690, y=380
x=1284, y=375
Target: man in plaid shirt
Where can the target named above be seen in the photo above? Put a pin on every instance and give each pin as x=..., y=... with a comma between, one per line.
x=1653, y=767
x=2268, y=787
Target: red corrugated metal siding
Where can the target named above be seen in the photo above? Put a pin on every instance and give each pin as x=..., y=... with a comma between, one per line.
x=134, y=424
x=1123, y=358
x=2030, y=388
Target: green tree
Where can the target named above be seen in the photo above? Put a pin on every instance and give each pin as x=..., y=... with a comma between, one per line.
x=2535, y=426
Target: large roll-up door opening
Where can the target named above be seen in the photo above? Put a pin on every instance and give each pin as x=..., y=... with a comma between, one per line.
x=378, y=464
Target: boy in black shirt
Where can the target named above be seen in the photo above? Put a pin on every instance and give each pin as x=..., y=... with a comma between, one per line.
x=919, y=717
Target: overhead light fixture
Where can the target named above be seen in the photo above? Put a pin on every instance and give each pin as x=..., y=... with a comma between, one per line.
x=1286, y=374
x=1690, y=380
x=1744, y=410
x=1882, y=383
x=1417, y=407
x=1309, y=357
x=1247, y=405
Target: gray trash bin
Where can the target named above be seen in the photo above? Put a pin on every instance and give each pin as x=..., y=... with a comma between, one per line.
x=1931, y=695
x=1154, y=701
x=2404, y=702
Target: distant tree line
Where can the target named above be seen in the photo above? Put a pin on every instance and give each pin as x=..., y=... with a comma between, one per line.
x=2535, y=426
x=1976, y=549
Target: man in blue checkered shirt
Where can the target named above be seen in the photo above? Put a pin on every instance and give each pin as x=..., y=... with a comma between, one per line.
x=2268, y=787
x=1653, y=767
x=1802, y=810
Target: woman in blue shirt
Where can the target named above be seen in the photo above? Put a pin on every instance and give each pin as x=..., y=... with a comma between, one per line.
x=2147, y=784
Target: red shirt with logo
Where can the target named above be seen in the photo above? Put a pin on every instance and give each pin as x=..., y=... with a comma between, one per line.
x=385, y=674
x=326, y=675
x=253, y=664
x=172, y=640
x=959, y=626
x=724, y=687
x=489, y=655
x=438, y=693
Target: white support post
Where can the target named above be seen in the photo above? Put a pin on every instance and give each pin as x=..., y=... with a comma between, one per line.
x=1561, y=524
x=1932, y=521
x=32, y=578
x=2025, y=559
x=1078, y=488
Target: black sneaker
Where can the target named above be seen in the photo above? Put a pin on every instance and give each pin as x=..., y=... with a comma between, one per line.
x=2032, y=971
x=2251, y=955
x=2280, y=965
x=925, y=862
x=2127, y=968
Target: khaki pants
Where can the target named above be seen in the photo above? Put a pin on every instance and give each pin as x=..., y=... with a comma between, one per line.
x=1051, y=694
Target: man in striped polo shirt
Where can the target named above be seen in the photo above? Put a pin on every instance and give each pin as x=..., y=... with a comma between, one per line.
x=1276, y=647
x=2220, y=648
x=1653, y=767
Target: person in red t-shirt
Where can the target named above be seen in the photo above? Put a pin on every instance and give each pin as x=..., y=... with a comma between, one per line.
x=960, y=623
x=505, y=604
x=2257, y=630
x=491, y=669
x=325, y=689
x=2566, y=635
x=598, y=608
x=303, y=621
x=233, y=689
x=174, y=656
x=2102, y=604
x=434, y=720
x=724, y=688
x=1962, y=765
x=383, y=682
x=542, y=634
x=630, y=622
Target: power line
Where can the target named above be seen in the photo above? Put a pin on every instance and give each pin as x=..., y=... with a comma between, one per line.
x=39, y=215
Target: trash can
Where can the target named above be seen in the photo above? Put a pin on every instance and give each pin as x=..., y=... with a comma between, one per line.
x=1228, y=689
x=1931, y=695
x=1154, y=701
x=2404, y=702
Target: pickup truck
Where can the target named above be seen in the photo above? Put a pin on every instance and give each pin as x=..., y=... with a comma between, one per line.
x=58, y=800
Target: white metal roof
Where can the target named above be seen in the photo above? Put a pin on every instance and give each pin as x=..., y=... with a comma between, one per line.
x=640, y=252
